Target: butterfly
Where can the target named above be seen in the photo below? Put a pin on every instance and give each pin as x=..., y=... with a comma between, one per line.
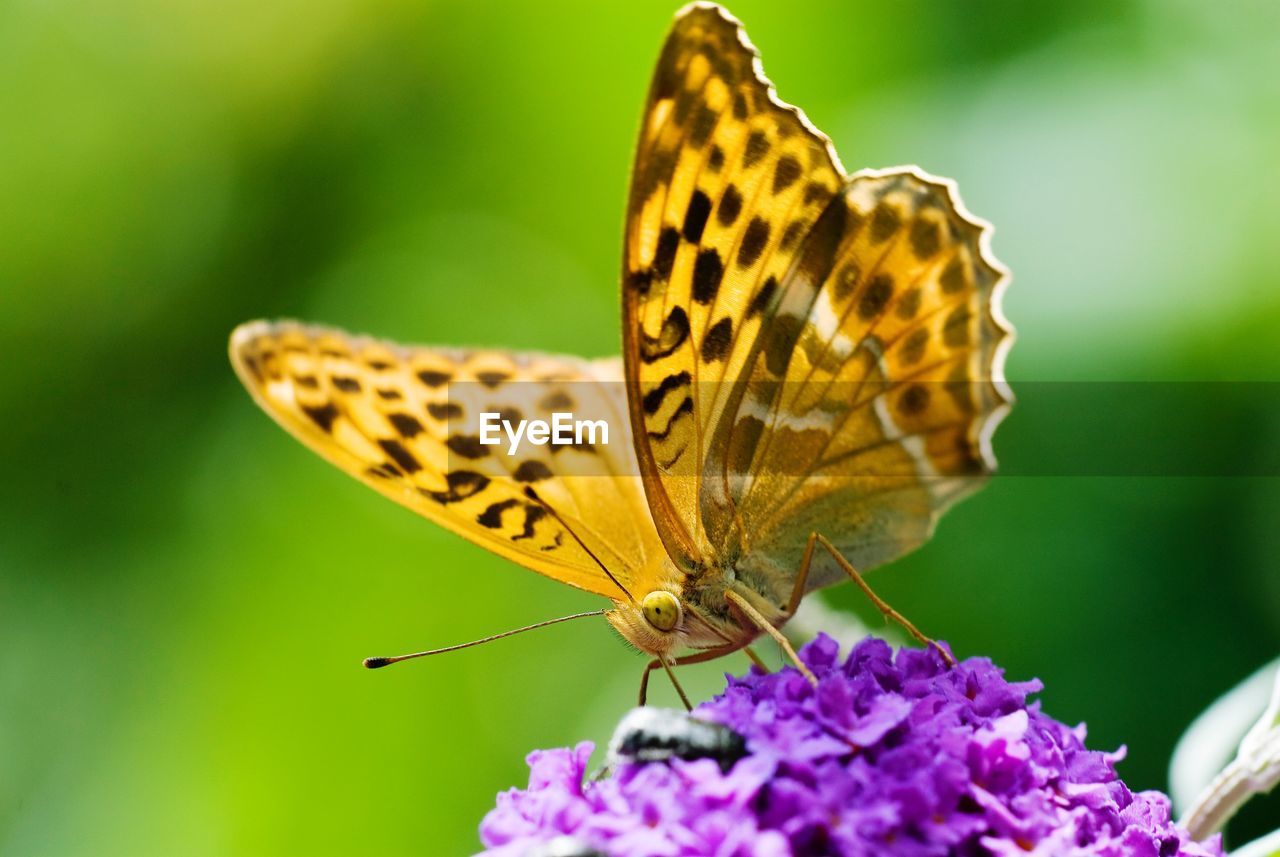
x=811, y=374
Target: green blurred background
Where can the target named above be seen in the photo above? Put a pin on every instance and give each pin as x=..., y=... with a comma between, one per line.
x=186, y=592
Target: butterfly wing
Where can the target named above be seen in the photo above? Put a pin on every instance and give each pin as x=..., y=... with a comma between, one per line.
x=406, y=421
x=872, y=400
x=807, y=351
x=727, y=181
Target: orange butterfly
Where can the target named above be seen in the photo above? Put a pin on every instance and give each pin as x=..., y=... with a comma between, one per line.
x=812, y=371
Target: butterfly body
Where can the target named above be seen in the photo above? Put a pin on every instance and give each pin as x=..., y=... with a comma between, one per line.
x=706, y=618
x=811, y=374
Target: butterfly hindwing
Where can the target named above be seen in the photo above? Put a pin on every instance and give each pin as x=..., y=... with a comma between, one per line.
x=406, y=421
x=871, y=406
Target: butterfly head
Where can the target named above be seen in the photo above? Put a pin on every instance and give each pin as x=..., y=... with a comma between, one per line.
x=654, y=624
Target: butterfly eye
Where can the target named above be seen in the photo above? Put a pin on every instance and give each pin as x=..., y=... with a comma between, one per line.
x=661, y=609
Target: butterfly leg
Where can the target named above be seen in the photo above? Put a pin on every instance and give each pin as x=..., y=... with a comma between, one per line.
x=755, y=659
x=752, y=617
x=802, y=577
x=696, y=658
x=880, y=603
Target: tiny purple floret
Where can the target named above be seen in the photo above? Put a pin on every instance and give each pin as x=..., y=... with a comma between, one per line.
x=892, y=754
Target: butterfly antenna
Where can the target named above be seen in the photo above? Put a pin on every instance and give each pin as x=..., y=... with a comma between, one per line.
x=376, y=663
x=533, y=495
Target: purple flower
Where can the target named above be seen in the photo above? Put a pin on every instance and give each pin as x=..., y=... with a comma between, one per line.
x=890, y=754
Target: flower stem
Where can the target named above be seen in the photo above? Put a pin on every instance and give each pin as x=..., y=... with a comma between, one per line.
x=1223, y=797
x=1255, y=770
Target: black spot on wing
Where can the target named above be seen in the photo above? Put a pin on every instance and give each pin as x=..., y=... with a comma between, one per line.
x=665, y=256
x=961, y=388
x=695, y=217
x=308, y=382
x=401, y=456
x=323, y=416
x=757, y=147
x=556, y=400
x=730, y=206
x=492, y=379
x=434, y=377
x=467, y=446
x=640, y=281
x=662, y=162
x=785, y=173
x=683, y=106
x=707, y=273
x=715, y=161
x=753, y=242
x=407, y=425
x=792, y=234
x=816, y=192
x=913, y=400
x=491, y=517
x=909, y=303
x=345, y=384
x=653, y=399
x=461, y=484
x=875, y=296
x=444, y=410
x=953, y=277
x=675, y=330
x=704, y=122
x=780, y=342
x=385, y=470
x=913, y=346
x=715, y=345
x=760, y=301
x=581, y=446
x=532, y=514
x=684, y=409
x=389, y=394
x=251, y=363
x=532, y=471
x=955, y=331
x=885, y=221
x=847, y=280
x=925, y=240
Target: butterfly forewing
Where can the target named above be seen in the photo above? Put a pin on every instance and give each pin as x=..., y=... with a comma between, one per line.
x=805, y=351
x=727, y=181
x=407, y=422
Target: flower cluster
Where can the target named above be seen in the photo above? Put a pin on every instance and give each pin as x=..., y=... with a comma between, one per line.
x=890, y=754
